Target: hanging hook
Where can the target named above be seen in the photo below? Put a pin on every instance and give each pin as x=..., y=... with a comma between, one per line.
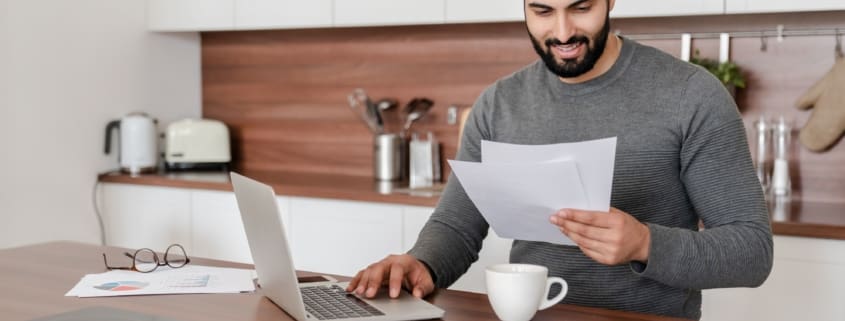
x=763, y=42
x=838, y=48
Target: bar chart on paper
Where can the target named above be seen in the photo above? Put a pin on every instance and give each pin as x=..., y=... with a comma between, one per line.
x=188, y=281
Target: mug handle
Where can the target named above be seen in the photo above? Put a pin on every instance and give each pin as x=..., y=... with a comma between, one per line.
x=563, y=289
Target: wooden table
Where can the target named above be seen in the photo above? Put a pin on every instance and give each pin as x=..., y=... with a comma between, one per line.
x=34, y=279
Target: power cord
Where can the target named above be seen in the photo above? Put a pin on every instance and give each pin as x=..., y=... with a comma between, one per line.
x=98, y=214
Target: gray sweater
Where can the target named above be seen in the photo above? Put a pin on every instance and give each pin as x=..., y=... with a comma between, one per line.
x=681, y=157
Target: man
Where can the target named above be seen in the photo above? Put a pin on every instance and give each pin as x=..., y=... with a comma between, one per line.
x=681, y=158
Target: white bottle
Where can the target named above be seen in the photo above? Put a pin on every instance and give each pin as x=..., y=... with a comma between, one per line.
x=780, y=195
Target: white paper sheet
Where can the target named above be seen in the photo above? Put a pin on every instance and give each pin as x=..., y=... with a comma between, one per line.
x=517, y=199
x=164, y=280
x=594, y=159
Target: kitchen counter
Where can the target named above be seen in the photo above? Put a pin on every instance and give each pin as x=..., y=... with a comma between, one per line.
x=355, y=188
x=807, y=219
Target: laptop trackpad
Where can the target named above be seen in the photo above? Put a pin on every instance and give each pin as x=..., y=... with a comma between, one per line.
x=406, y=305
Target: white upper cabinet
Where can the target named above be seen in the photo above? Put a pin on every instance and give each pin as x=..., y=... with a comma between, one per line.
x=484, y=10
x=281, y=14
x=655, y=8
x=190, y=15
x=754, y=6
x=388, y=12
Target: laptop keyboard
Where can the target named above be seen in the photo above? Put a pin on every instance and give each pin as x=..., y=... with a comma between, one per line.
x=333, y=302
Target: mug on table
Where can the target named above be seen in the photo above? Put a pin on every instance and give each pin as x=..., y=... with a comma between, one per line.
x=518, y=291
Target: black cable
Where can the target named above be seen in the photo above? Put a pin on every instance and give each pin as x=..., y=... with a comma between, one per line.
x=98, y=214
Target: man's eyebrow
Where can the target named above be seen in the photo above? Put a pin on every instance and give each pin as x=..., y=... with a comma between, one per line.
x=539, y=5
x=576, y=2
x=545, y=6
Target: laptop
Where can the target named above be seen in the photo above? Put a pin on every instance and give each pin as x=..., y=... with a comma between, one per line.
x=277, y=275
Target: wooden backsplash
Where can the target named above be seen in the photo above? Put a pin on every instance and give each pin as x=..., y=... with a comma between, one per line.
x=283, y=92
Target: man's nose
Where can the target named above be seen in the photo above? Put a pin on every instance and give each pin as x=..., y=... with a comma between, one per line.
x=563, y=28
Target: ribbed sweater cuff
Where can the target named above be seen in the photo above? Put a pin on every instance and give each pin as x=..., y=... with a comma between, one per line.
x=660, y=254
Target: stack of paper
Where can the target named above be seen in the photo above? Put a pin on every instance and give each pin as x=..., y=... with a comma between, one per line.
x=164, y=280
x=518, y=187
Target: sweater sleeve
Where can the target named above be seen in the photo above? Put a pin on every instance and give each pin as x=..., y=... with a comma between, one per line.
x=735, y=247
x=451, y=239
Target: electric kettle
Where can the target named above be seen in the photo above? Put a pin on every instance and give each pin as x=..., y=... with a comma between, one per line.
x=138, y=136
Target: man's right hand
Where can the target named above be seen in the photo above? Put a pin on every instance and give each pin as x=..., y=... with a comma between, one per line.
x=397, y=271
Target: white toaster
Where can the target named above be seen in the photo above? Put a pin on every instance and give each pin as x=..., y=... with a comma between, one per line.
x=197, y=144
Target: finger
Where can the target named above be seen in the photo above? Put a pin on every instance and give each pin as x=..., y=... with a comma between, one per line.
x=422, y=288
x=556, y=220
x=397, y=274
x=590, y=250
x=374, y=282
x=421, y=282
x=586, y=243
x=354, y=283
x=588, y=231
x=599, y=219
x=362, y=284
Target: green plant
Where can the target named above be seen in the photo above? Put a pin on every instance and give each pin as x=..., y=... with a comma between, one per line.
x=727, y=72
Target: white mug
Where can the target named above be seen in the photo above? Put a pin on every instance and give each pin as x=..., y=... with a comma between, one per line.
x=518, y=291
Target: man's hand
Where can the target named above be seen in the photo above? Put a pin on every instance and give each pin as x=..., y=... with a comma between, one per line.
x=396, y=271
x=609, y=238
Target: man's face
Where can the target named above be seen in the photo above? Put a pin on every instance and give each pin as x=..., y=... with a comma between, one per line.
x=569, y=35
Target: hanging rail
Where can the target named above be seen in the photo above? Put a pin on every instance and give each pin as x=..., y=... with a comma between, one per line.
x=780, y=32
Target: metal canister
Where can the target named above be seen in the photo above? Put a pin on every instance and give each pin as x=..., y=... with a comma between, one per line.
x=387, y=155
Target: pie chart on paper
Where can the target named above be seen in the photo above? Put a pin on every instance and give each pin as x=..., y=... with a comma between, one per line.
x=119, y=286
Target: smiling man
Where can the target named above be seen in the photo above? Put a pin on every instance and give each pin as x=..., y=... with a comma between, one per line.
x=682, y=158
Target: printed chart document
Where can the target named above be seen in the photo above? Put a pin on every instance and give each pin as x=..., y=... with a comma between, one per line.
x=164, y=280
x=518, y=187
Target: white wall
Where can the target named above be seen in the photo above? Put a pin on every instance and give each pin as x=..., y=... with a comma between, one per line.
x=67, y=68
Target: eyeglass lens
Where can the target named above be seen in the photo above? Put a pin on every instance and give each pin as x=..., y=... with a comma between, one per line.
x=175, y=256
x=145, y=260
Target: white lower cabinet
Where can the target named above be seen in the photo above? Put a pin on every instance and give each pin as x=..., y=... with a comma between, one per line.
x=137, y=216
x=343, y=237
x=218, y=231
x=807, y=283
x=495, y=250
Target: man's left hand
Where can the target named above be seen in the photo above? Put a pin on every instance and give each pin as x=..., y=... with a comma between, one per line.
x=610, y=238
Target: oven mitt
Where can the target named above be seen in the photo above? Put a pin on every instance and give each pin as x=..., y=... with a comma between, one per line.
x=827, y=122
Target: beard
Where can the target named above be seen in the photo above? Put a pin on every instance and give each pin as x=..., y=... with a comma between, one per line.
x=570, y=68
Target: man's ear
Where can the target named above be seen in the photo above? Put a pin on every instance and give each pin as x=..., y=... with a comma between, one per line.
x=610, y=4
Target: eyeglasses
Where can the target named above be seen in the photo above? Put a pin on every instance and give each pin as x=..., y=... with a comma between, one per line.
x=145, y=260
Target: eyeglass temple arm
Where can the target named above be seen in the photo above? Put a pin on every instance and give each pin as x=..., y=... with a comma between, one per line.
x=115, y=267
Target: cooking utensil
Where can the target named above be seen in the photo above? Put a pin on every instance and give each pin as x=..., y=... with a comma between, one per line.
x=416, y=109
x=372, y=111
x=367, y=111
x=386, y=104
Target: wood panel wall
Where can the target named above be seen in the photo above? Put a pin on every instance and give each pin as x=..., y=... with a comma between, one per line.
x=283, y=92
